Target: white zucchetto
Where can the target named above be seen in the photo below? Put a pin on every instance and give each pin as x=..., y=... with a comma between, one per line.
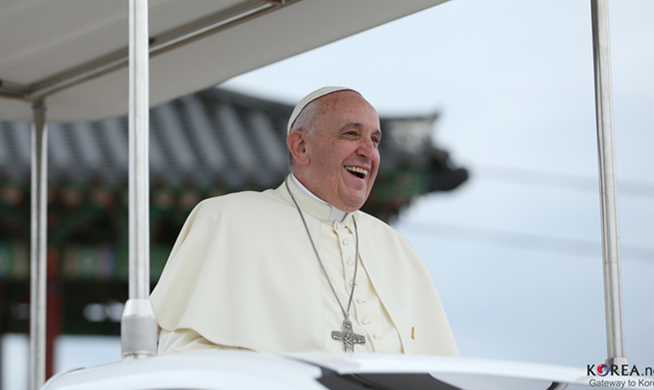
x=311, y=97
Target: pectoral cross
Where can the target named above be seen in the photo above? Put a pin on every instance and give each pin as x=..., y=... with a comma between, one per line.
x=348, y=336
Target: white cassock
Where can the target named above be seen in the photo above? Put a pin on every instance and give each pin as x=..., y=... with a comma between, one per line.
x=243, y=274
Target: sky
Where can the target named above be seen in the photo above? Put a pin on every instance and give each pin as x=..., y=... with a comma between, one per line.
x=515, y=253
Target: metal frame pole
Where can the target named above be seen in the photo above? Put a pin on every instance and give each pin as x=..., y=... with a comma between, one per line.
x=38, y=250
x=139, y=324
x=608, y=183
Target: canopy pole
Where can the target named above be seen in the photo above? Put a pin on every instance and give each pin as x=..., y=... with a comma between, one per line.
x=139, y=324
x=608, y=183
x=38, y=246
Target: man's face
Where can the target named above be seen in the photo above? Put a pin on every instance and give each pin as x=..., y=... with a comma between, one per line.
x=343, y=151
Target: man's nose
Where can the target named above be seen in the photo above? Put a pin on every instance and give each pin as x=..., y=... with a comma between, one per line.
x=368, y=149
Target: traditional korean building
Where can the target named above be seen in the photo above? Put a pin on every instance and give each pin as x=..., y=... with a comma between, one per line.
x=206, y=144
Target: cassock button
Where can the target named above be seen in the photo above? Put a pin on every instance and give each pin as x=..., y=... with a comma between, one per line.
x=346, y=242
x=360, y=301
x=365, y=322
x=353, y=284
x=376, y=336
x=349, y=261
x=339, y=226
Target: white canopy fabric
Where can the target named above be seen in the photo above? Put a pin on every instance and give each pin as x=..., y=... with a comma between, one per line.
x=40, y=39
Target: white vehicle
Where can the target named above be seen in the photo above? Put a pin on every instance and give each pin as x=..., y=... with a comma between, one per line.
x=80, y=71
x=248, y=370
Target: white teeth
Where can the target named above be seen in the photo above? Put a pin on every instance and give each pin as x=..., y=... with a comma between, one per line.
x=362, y=171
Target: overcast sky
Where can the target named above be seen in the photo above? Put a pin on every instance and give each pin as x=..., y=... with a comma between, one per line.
x=515, y=253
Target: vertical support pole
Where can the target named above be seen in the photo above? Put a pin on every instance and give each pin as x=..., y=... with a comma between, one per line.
x=608, y=183
x=38, y=248
x=139, y=177
x=139, y=324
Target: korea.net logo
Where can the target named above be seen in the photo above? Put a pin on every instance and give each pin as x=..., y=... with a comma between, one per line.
x=615, y=369
x=620, y=376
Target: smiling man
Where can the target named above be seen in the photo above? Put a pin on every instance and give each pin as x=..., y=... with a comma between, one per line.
x=300, y=268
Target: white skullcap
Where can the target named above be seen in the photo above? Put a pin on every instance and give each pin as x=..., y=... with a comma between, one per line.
x=311, y=97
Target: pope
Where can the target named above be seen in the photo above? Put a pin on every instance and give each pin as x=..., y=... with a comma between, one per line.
x=300, y=268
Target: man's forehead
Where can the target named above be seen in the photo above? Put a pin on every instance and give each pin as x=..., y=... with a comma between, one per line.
x=351, y=110
x=346, y=106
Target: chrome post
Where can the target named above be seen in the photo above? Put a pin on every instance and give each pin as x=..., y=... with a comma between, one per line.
x=139, y=325
x=608, y=183
x=38, y=248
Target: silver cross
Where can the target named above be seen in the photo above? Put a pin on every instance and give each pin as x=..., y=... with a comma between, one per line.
x=348, y=336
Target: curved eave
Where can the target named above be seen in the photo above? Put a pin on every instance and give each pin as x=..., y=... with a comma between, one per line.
x=42, y=40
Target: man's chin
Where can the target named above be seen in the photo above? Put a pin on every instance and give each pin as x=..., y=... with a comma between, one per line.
x=352, y=198
x=354, y=203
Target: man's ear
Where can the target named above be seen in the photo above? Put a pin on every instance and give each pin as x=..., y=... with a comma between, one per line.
x=297, y=145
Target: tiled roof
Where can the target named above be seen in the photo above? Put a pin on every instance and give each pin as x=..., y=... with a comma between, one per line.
x=211, y=137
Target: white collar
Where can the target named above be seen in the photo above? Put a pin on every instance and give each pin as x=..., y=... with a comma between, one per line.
x=336, y=214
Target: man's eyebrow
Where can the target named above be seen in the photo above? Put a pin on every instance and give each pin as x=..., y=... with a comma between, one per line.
x=359, y=125
x=350, y=125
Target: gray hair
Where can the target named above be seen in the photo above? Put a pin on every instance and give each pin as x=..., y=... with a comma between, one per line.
x=306, y=123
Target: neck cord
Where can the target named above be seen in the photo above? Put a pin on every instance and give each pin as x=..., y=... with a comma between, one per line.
x=356, y=258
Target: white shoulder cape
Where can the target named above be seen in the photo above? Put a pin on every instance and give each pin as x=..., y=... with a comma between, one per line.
x=242, y=273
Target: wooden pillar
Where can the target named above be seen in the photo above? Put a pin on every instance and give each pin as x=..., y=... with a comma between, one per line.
x=3, y=293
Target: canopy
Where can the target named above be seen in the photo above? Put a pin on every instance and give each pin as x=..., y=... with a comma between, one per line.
x=74, y=52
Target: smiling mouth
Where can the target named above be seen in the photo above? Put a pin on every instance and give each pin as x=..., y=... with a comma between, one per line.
x=356, y=171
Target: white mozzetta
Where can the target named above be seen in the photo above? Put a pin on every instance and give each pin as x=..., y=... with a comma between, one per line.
x=243, y=274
